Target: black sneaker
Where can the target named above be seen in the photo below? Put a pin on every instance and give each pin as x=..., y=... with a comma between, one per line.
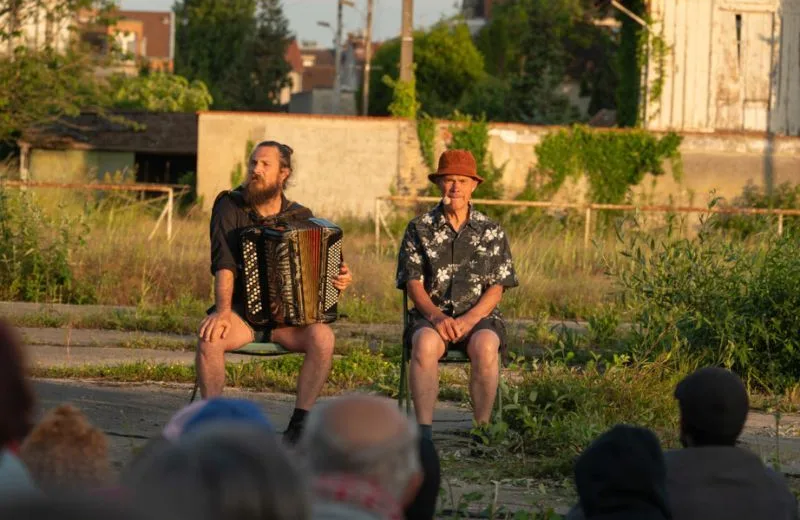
x=293, y=432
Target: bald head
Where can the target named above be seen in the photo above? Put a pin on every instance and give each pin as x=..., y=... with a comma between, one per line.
x=364, y=436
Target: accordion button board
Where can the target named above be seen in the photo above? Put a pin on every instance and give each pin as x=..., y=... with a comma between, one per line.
x=289, y=270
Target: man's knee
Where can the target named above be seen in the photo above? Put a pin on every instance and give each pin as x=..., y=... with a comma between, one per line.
x=484, y=351
x=426, y=347
x=210, y=348
x=320, y=339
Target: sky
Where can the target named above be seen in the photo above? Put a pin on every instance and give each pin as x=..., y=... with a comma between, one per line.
x=303, y=16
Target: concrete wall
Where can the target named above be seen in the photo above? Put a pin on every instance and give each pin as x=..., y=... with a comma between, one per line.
x=77, y=165
x=343, y=163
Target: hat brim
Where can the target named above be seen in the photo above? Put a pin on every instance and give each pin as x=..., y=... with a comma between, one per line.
x=435, y=175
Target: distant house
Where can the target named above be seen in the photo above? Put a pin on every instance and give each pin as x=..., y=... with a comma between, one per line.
x=142, y=146
x=155, y=47
x=295, y=60
x=732, y=65
x=34, y=25
x=319, y=77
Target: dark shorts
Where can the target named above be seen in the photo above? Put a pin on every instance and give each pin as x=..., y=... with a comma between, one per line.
x=496, y=325
x=261, y=333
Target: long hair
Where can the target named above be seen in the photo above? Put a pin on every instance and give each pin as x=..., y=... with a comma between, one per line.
x=16, y=395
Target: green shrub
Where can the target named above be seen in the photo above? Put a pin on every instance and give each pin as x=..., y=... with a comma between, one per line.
x=785, y=196
x=555, y=411
x=35, y=252
x=717, y=302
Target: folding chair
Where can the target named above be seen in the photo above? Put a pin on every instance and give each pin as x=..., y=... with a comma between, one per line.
x=451, y=356
x=251, y=349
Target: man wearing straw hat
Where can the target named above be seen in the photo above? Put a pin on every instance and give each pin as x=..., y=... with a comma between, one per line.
x=455, y=264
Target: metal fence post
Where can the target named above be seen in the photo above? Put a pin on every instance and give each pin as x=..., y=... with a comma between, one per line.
x=780, y=224
x=169, y=213
x=587, y=229
x=377, y=226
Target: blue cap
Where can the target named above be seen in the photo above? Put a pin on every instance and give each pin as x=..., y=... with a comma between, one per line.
x=221, y=409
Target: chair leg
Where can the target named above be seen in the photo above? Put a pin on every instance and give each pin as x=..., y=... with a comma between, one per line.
x=401, y=394
x=498, y=401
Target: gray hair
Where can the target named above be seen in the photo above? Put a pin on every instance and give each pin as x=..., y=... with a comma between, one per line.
x=222, y=472
x=391, y=463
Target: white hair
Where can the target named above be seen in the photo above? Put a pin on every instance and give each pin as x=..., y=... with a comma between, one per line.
x=391, y=463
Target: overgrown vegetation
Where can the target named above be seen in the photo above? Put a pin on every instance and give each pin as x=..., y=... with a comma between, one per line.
x=612, y=162
x=35, y=252
x=784, y=196
x=716, y=301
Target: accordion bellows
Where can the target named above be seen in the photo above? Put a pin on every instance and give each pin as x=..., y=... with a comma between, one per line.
x=289, y=270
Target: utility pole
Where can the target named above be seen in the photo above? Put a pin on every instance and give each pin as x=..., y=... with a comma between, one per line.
x=367, y=61
x=337, y=81
x=407, y=42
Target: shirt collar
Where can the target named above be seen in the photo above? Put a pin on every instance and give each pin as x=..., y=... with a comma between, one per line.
x=440, y=221
x=358, y=492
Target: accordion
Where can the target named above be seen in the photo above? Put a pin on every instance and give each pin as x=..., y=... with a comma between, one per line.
x=289, y=270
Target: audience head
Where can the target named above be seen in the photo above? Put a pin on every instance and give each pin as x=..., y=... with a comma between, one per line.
x=16, y=394
x=65, y=452
x=225, y=470
x=231, y=411
x=367, y=437
x=72, y=507
x=622, y=474
x=713, y=404
x=423, y=506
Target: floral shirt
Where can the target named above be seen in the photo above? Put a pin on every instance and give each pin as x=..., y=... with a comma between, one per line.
x=456, y=268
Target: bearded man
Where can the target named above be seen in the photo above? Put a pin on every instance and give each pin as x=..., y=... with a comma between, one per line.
x=259, y=201
x=455, y=264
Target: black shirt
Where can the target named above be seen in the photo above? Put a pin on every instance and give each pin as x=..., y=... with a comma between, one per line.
x=229, y=216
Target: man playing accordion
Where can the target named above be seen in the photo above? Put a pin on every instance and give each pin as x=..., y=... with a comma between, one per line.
x=259, y=201
x=455, y=264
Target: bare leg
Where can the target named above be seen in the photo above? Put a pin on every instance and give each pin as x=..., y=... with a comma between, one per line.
x=210, y=357
x=484, y=354
x=426, y=349
x=317, y=342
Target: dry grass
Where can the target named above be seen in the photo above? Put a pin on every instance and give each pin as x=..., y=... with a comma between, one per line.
x=124, y=267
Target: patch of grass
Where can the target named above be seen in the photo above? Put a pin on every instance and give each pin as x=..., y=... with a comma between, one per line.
x=153, y=319
x=155, y=343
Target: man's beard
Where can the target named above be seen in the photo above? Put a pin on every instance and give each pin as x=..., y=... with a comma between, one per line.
x=255, y=195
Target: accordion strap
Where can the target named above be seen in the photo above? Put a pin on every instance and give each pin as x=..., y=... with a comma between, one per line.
x=292, y=213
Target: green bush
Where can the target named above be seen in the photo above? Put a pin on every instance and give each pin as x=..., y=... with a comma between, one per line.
x=784, y=196
x=716, y=302
x=35, y=250
x=555, y=411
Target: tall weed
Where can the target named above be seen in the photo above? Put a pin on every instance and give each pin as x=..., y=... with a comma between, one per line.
x=35, y=252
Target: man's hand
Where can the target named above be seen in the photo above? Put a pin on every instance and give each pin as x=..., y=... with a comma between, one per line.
x=465, y=324
x=344, y=279
x=448, y=328
x=215, y=326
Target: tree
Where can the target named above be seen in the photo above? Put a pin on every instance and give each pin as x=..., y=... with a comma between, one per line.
x=561, y=42
x=446, y=64
x=213, y=40
x=40, y=83
x=270, y=71
x=158, y=93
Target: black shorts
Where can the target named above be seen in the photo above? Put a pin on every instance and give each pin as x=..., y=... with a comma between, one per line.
x=261, y=333
x=417, y=322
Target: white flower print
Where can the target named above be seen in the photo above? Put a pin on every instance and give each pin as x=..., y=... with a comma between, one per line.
x=474, y=240
x=440, y=236
x=474, y=278
x=496, y=251
x=478, y=217
x=490, y=234
x=480, y=249
x=427, y=219
x=415, y=258
x=476, y=290
x=442, y=274
x=503, y=272
x=432, y=253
